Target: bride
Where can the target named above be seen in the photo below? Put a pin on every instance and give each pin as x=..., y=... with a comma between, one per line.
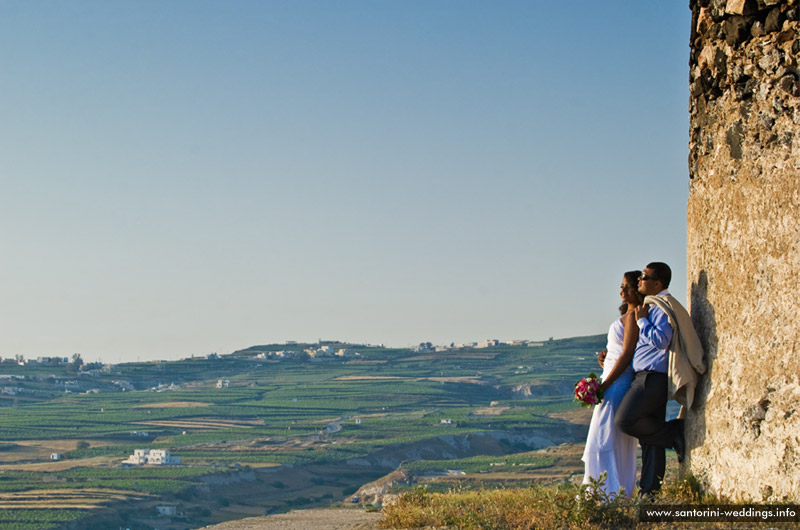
x=608, y=449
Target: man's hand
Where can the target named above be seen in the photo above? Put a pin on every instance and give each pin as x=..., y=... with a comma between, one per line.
x=601, y=357
x=642, y=311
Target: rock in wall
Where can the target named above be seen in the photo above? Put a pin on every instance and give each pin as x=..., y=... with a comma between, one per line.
x=743, y=256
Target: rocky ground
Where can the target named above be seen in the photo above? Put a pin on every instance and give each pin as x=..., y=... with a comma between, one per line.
x=318, y=519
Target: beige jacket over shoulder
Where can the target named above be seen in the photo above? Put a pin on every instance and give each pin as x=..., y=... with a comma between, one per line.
x=686, y=362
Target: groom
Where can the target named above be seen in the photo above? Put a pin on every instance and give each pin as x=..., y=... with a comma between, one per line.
x=643, y=409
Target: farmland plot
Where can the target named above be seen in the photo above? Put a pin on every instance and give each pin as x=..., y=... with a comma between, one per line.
x=277, y=419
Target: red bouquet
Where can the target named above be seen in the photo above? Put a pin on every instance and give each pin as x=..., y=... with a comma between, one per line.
x=588, y=391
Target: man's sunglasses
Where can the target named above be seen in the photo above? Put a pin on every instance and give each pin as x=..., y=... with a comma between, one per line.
x=645, y=277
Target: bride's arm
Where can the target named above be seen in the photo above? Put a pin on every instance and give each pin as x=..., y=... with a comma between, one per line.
x=629, y=339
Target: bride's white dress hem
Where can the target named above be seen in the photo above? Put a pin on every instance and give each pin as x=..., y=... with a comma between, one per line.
x=607, y=448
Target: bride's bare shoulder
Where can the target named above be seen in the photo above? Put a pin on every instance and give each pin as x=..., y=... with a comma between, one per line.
x=629, y=318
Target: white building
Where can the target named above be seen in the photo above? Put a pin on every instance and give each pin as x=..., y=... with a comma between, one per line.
x=126, y=386
x=56, y=456
x=321, y=353
x=51, y=360
x=155, y=457
x=276, y=354
x=223, y=383
x=325, y=351
x=346, y=353
x=167, y=510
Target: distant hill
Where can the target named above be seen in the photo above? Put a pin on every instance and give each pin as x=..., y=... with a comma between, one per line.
x=261, y=431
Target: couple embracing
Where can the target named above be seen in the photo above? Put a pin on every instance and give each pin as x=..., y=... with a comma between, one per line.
x=653, y=355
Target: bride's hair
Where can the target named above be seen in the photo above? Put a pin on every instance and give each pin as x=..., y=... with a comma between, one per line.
x=633, y=279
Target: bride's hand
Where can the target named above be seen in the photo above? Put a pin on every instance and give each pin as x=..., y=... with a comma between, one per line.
x=601, y=357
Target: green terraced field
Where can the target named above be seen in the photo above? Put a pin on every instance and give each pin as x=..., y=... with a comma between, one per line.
x=296, y=412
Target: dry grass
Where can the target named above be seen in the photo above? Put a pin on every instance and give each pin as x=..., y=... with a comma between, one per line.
x=61, y=465
x=52, y=499
x=370, y=378
x=320, y=518
x=490, y=411
x=173, y=405
x=366, y=361
x=36, y=453
x=465, y=379
x=203, y=423
x=518, y=509
x=578, y=416
x=563, y=507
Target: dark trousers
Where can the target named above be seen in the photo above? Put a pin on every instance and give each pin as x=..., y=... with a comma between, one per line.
x=642, y=414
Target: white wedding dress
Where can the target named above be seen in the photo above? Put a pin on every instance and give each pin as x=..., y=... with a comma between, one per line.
x=607, y=448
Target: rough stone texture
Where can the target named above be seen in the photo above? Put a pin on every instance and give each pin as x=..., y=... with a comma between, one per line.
x=743, y=255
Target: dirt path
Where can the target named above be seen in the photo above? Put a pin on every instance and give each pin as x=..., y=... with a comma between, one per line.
x=318, y=519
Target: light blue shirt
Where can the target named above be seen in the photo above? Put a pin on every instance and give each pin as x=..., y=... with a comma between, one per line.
x=655, y=334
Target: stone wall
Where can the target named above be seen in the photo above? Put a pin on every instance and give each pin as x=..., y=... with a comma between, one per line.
x=743, y=256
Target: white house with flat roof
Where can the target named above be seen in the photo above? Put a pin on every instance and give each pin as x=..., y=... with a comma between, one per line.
x=156, y=457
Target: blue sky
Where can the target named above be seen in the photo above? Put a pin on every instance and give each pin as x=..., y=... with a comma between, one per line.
x=184, y=177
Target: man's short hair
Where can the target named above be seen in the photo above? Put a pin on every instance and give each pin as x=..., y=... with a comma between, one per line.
x=661, y=272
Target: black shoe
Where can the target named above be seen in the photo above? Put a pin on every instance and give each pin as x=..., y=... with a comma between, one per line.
x=679, y=442
x=647, y=497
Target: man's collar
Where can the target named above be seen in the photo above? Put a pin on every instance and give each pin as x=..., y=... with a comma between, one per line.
x=663, y=293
